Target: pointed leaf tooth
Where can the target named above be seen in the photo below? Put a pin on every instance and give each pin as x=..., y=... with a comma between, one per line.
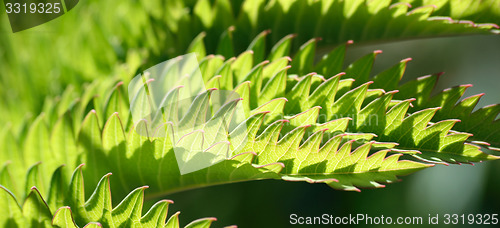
x=302, y=62
x=10, y=209
x=268, y=137
x=311, y=145
x=209, y=65
x=242, y=65
x=6, y=179
x=89, y=142
x=243, y=91
x=360, y=155
x=274, y=108
x=448, y=98
x=116, y=102
x=173, y=221
x=394, y=118
x=33, y=179
x=258, y=46
x=316, y=161
x=129, y=210
x=114, y=147
x=336, y=159
x=168, y=110
x=255, y=76
x=298, y=93
x=275, y=87
x=275, y=167
x=225, y=46
x=490, y=113
x=468, y=104
x=35, y=209
x=361, y=68
x=157, y=215
x=359, y=138
x=274, y=67
x=98, y=207
x=350, y=103
x=308, y=117
x=331, y=64
x=420, y=89
x=412, y=126
x=197, y=112
x=226, y=73
x=281, y=48
x=113, y=134
x=333, y=127
x=93, y=225
x=324, y=94
x=76, y=189
x=375, y=111
x=245, y=132
x=246, y=157
x=57, y=188
x=291, y=141
x=62, y=143
x=372, y=94
x=197, y=46
x=344, y=86
x=63, y=218
x=201, y=223
x=36, y=147
x=390, y=78
x=313, y=142
x=214, y=82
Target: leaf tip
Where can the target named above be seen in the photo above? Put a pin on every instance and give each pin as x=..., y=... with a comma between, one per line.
x=120, y=83
x=400, y=3
x=406, y=60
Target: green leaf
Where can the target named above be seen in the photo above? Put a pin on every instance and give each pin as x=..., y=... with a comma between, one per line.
x=288, y=117
x=258, y=46
x=294, y=141
x=35, y=210
x=63, y=218
x=197, y=46
x=97, y=211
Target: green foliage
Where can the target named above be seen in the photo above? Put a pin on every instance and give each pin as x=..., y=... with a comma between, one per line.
x=88, y=44
x=96, y=211
x=315, y=128
x=478, y=11
x=306, y=120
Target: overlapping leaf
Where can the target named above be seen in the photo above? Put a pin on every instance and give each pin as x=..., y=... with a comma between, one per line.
x=302, y=126
x=75, y=211
x=313, y=110
x=163, y=29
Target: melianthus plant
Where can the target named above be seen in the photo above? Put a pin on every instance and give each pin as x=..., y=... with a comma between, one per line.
x=307, y=120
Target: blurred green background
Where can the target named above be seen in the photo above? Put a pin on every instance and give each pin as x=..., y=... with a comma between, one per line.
x=440, y=190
